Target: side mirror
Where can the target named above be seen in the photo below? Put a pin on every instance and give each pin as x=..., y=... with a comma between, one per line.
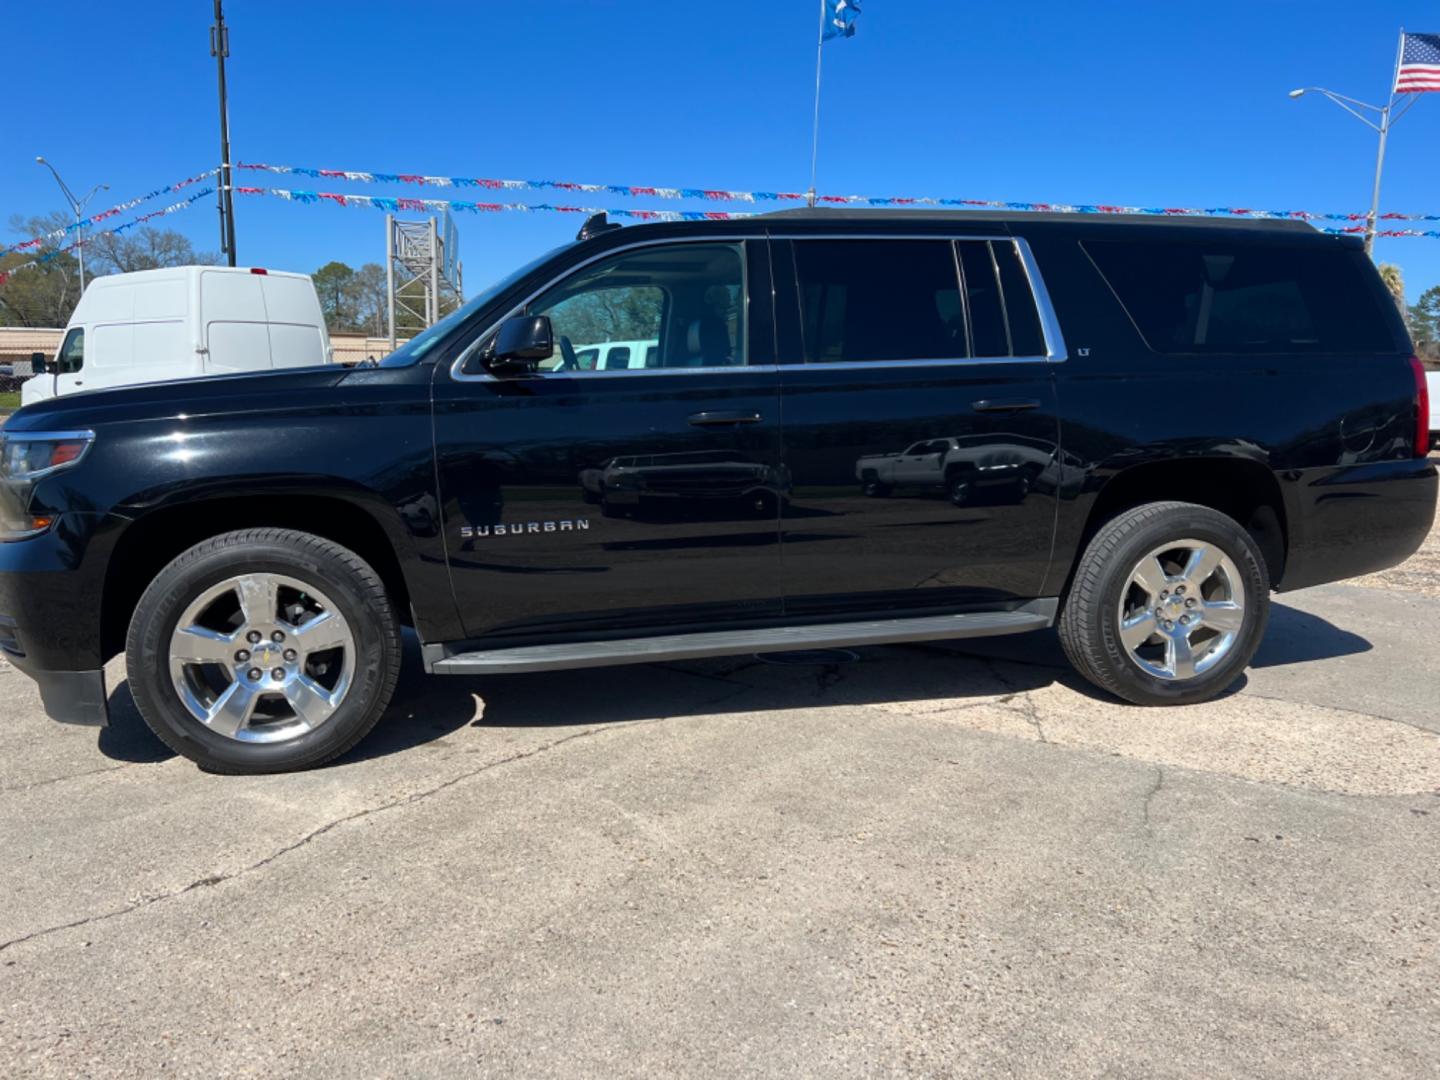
x=38, y=365
x=521, y=343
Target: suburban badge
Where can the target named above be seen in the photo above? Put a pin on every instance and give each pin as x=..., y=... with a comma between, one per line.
x=472, y=532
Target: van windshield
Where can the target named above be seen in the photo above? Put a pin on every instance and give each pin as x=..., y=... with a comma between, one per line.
x=418, y=347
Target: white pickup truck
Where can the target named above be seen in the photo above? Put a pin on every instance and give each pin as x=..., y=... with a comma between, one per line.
x=1432, y=380
x=962, y=467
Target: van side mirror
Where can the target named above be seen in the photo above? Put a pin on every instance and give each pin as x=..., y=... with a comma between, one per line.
x=521, y=343
x=38, y=366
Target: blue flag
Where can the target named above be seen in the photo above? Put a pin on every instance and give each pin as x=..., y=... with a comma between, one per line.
x=840, y=18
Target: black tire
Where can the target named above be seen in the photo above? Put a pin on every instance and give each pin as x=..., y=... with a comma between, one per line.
x=354, y=588
x=1089, y=620
x=958, y=489
x=875, y=490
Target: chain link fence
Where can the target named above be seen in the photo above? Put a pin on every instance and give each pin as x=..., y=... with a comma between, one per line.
x=13, y=374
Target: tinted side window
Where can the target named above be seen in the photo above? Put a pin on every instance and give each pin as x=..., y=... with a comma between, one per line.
x=982, y=299
x=1026, y=338
x=867, y=300
x=1196, y=297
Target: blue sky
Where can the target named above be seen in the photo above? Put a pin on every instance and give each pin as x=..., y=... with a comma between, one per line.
x=1129, y=103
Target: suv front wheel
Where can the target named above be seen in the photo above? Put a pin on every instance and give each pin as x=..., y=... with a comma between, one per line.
x=1168, y=605
x=263, y=651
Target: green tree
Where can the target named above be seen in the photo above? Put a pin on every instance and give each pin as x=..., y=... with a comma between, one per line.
x=334, y=284
x=1394, y=279
x=43, y=295
x=367, y=291
x=1425, y=320
x=145, y=248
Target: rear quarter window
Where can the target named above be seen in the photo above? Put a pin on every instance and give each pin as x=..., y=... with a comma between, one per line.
x=1198, y=297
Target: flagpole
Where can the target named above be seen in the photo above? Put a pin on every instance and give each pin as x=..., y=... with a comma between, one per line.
x=1373, y=220
x=815, y=129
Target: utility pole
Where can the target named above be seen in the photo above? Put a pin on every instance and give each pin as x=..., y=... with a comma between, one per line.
x=220, y=49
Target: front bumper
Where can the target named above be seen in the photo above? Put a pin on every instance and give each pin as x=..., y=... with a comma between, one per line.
x=70, y=697
x=50, y=630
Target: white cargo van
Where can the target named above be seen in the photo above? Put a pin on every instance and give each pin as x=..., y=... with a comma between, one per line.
x=182, y=323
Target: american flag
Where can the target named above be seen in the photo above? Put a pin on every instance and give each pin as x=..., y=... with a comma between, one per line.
x=1419, y=64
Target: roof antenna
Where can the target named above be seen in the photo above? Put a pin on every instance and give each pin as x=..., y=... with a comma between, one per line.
x=595, y=225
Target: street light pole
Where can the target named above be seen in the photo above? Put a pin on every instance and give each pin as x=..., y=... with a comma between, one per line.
x=76, y=206
x=1385, y=118
x=220, y=49
x=1373, y=218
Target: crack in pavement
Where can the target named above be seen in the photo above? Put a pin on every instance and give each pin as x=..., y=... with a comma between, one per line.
x=1150, y=798
x=1018, y=700
x=73, y=776
x=722, y=676
x=408, y=800
x=1027, y=710
x=828, y=677
x=1336, y=708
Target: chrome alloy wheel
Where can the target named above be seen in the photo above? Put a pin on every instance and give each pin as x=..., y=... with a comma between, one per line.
x=1182, y=609
x=262, y=658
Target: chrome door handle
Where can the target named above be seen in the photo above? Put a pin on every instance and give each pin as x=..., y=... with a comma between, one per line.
x=1005, y=405
x=724, y=419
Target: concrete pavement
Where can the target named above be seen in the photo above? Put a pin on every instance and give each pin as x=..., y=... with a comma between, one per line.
x=939, y=860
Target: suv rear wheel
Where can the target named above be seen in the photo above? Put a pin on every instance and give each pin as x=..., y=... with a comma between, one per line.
x=263, y=651
x=1169, y=604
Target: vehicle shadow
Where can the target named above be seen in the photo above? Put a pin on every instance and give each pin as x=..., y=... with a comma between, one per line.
x=127, y=738
x=1297, y=637
x=426, y=709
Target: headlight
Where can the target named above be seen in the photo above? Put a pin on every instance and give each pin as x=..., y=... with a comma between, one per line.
x=26, y=455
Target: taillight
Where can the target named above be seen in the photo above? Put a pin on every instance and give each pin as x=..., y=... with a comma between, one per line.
x=1422, y=408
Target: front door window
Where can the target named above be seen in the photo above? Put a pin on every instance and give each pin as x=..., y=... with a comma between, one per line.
x=671, y=306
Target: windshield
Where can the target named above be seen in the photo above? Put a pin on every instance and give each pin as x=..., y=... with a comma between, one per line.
x=416, y=349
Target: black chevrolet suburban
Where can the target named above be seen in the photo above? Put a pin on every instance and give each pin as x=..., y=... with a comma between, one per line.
x=825, y=428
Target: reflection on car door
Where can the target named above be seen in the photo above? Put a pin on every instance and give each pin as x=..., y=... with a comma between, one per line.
x=920, y=466
x=934, y=349
x=622, y=499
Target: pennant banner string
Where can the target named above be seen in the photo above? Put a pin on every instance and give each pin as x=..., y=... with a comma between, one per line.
x=718, y=195
x=403, y=203
x=114, y=211
x=174, y=208
x=395, y=204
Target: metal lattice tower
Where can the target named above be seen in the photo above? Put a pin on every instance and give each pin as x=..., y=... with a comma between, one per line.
x=420, y=283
